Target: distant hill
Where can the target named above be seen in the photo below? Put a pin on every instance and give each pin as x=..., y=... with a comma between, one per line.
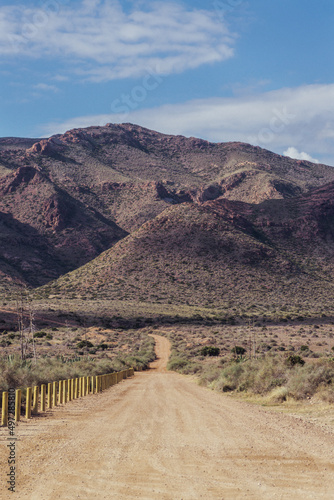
x=222, y=254
x=178, y=219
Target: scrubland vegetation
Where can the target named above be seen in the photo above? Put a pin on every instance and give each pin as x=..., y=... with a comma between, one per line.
x=276, y=362
x=63, y=353
x=275, y=357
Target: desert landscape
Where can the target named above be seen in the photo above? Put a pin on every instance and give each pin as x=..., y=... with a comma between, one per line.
x=124, y=247
x=159, y=435
x=166, y=250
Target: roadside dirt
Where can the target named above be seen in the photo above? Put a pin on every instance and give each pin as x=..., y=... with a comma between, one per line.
x=160, y=436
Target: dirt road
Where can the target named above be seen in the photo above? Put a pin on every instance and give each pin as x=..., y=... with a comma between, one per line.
x=160, y=436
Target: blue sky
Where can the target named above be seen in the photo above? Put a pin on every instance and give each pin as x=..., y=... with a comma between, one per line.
x=257, y=71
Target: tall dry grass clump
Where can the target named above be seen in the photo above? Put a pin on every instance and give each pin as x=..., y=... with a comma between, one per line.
x=18, y=373
x=276, y=376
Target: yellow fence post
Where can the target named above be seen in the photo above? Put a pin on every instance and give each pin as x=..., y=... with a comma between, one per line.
x=35, y=400
x=60, y=392
x=54, y=393
x=69, y=389
x=4, y=412
x=17, y=404
x=64, y=392
x=49, y=400
x=28, y=402
x=43, y=396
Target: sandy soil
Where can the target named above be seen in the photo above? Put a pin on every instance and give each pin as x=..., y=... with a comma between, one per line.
x=160, y=436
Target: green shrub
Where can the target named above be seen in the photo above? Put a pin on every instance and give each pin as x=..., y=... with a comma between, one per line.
x=294, y=360
x=5, y=343
x=238, y=350
x=84, y=343
x=177, y=363
x=39, y=335
x=103, y=346
x=309, y=379
x=210, y=351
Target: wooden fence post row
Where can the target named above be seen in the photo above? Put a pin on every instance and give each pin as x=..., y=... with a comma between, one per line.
x=58, y=393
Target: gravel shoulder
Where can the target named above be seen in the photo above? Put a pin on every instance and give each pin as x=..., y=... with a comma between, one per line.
x=160, y=436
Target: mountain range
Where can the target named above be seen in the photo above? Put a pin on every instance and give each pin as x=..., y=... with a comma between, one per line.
x=123, y=212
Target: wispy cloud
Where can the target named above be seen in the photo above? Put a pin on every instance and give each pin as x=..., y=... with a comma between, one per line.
x=46, y=87
x=299, y=155
x=100, y=41
x=303, y=116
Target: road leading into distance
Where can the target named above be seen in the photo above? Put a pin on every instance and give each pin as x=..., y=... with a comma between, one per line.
x=159, y=436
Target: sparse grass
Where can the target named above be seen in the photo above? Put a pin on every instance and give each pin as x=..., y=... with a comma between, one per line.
x=259, y=369
x=128, y=349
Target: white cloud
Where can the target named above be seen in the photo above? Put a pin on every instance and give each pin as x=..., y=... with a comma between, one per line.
x=101, y=41
x=294, y=153
x=303, y=116
x=45, y=87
